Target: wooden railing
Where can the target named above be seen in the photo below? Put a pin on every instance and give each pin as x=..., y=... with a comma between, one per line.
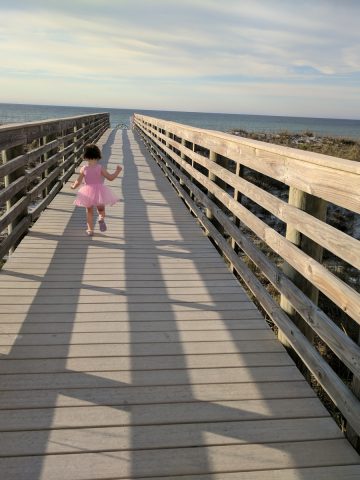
x=36, y=159
x=265, y=207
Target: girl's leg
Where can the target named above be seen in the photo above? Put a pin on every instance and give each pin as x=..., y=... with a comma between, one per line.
x=101, y=211
x=90, y=219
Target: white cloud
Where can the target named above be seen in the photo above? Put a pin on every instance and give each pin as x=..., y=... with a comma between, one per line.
x=175, y=51
x=351, y=56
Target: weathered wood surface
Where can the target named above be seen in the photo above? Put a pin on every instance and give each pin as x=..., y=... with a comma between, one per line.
x=136, y=353
x=288, y=165
x=345, y=400
x=168, y=143
x=337, y=242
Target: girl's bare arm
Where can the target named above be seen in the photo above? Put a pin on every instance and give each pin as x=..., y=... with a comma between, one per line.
x=111, y=176
x=78, y=181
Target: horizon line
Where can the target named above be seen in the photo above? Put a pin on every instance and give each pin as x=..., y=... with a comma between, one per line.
x=178, y=111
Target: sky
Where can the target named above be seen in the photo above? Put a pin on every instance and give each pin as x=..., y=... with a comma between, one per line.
x=271, y=57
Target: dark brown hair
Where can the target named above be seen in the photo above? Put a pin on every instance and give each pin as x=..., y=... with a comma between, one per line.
x=92, y=152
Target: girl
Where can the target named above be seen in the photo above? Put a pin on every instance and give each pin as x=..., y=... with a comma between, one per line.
x=94, y=193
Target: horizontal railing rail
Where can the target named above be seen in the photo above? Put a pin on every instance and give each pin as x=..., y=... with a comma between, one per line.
x=37, y=158
x=266, y=207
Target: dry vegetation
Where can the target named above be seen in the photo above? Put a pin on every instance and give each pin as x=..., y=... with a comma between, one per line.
x=336, y=147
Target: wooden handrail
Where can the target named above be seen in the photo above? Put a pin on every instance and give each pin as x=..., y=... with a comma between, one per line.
x=287, y=165
x=37, y=158
x=204, y=166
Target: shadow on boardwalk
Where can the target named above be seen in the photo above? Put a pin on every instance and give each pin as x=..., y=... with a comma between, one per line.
x=154, y=398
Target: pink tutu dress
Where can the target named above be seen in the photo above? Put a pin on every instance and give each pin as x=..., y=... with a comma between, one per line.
x=94, y=192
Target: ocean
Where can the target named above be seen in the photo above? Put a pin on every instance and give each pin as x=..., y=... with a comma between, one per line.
x=16, y=113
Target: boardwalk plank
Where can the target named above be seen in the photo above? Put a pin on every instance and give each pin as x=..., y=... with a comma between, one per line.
x=98, y=364
x=126, y=349
x=137, y=337
x=344, y=472
x=70, y=292
x=164, y=413
x=245, y=311
x=132, y=395
x=188, y=461
x=137, y=326
x=187, y=376
x=174, y=435
x=111, y=306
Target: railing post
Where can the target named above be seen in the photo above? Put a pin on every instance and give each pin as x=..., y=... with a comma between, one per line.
x=212, y=178
x=76, y=149
x=182, y=156
x=44, y=157
x=63, y=158
x=86, y=131
x=8, y=155
x=48, y=139
x=167, y=135
x=237, y=196
x=192, y=165
x=355, y=388
x=317, y=208
x=83, y=143
x=214, y=157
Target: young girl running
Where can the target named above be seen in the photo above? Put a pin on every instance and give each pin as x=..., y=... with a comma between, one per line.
x=94, y=193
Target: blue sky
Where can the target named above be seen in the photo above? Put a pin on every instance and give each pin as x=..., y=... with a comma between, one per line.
x=277, y=57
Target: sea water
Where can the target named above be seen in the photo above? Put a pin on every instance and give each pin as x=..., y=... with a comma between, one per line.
x=16, y=113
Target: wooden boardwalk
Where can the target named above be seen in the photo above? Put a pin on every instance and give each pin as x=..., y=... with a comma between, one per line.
x=136, y=353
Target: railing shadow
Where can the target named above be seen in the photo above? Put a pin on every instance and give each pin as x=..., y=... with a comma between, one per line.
x=150, y=390
x=198, y=460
